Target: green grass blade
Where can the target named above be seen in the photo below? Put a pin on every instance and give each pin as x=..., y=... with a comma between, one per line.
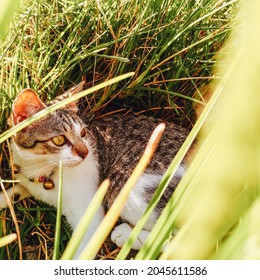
x=4, y=136
x=59, y=214
x=170, y=93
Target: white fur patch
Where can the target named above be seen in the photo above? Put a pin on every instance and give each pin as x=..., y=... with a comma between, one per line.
x=136, y=203
x=80, y=183
x=135, y=207
x=180, y=171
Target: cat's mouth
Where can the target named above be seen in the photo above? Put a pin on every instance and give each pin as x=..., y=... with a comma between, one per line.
x=72, y=162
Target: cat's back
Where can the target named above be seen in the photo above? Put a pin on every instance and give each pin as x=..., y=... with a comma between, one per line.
x=122, y=138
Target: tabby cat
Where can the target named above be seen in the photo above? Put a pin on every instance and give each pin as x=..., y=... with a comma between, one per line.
x=92, y=151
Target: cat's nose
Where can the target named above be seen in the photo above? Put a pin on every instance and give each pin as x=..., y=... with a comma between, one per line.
x=81, y=151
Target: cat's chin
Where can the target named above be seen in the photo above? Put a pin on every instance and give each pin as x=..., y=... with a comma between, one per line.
x=71, y=163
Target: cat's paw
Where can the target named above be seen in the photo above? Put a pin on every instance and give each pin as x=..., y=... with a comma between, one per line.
x=15, y=194
x=121, y=233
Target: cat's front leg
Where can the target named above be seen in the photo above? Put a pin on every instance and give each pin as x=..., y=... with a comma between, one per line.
x=15, y=194
x=19, y=191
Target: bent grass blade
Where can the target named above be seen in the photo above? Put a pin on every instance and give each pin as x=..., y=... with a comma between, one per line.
x=4, y=136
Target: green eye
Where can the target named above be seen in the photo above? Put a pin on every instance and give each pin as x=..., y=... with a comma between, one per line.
x=59, y=140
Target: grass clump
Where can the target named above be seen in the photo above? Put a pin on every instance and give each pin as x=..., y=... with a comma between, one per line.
x=170, y=45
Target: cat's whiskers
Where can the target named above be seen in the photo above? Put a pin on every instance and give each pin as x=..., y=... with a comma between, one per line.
x=40, y=170
x=44, y=168
x=32, y=167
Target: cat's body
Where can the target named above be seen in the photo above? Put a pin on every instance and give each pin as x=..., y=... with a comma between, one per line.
x=121, y=140
x=109, y=147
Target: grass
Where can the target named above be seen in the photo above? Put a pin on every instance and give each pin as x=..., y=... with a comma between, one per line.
x=80, y=42
x=171, y=46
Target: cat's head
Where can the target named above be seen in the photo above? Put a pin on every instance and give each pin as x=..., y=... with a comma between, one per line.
x=61, y=135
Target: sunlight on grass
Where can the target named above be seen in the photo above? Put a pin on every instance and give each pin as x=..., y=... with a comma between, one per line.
x=168, y=49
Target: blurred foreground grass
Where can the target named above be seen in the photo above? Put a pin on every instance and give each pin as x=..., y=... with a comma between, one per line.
x=218, y=210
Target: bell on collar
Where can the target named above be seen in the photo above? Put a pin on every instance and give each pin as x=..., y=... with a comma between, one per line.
x=48, y=184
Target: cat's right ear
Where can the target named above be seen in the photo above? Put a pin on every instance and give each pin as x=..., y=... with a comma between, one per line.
x=73, y=106
x=26, y=104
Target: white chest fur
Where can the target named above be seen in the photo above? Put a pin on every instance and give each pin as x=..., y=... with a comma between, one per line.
x=80, y=183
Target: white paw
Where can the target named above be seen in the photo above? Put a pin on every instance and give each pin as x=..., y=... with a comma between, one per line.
x=121, y=233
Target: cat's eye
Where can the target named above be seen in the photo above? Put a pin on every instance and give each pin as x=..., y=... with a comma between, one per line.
x=83, y=132
x=59, y=140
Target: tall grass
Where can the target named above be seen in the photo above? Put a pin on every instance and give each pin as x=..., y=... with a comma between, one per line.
x=171, y=47
x=55, y=43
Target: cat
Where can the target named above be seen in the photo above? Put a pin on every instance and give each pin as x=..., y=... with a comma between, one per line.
x=90, y=151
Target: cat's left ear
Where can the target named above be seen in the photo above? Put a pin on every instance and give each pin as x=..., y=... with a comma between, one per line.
x=73, y=106
x=26, y=104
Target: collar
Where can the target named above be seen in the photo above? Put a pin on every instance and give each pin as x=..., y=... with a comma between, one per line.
x=48, y=184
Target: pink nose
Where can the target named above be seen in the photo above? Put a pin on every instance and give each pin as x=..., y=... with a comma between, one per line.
x=83, y=154
x=81, y=151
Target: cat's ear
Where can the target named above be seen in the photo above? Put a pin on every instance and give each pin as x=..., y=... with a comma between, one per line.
x=73, y=106
x=26, y=104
